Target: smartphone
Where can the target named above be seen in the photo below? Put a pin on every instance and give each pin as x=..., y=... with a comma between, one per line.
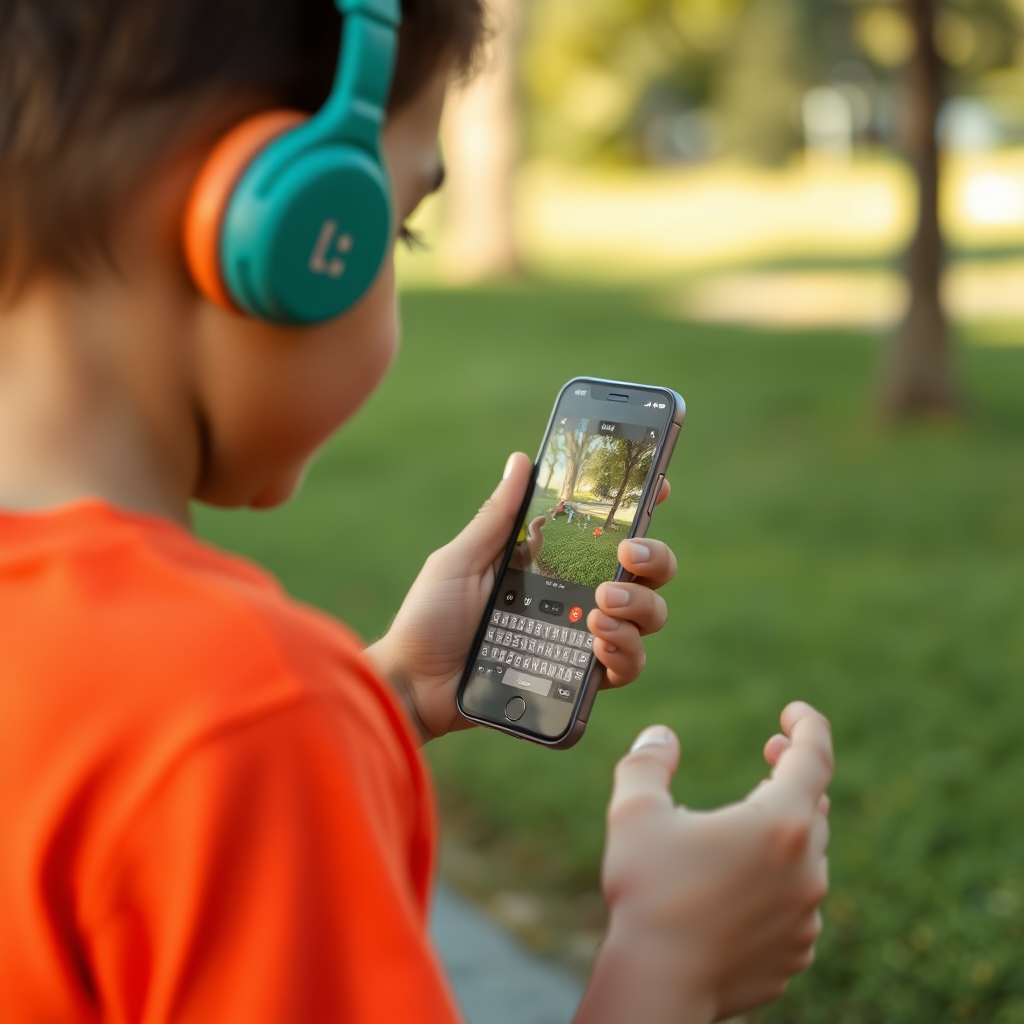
x=601, y=466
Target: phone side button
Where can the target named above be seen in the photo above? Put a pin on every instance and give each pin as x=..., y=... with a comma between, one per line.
x=515, y=709
x=655, y=493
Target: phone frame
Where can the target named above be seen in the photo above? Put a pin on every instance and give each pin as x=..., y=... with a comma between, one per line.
x=638, y=528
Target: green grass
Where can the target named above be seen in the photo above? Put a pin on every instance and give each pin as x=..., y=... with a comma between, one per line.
x=878, y=573
x=573, y=552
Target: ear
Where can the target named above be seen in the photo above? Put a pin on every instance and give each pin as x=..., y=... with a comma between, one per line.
x=211, y=192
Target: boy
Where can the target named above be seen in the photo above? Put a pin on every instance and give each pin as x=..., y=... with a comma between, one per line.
x=213, y=806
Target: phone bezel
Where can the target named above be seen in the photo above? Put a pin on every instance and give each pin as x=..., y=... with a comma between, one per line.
x=675, y=414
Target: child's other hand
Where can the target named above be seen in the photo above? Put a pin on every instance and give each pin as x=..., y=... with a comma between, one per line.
x=425, y=649
x=711, y=913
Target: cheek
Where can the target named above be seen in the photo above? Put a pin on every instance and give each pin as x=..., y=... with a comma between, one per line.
x=339, y=378
x=271, y=396
x=346, y=360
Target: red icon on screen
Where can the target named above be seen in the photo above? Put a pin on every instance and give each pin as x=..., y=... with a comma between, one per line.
x=575, y=614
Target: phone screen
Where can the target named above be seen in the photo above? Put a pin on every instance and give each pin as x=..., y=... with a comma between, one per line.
x=600, y=466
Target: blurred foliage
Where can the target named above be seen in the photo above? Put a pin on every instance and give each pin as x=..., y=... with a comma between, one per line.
x=650, y=80
x=876, y=574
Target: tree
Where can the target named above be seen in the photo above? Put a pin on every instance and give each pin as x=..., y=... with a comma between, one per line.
x=578, y=445
x=918, y=377
x=618, y=467
x=551, y=454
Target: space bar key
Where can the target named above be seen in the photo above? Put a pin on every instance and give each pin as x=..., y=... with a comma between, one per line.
x=524, y=681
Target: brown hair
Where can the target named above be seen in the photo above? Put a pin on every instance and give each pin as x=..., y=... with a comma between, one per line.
x=93, y=91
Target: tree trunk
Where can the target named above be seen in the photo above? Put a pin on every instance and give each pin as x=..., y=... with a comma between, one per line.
x=577, y=448
x=634, y=451
x=918, y=378
x=573, y=455
x=480, y=138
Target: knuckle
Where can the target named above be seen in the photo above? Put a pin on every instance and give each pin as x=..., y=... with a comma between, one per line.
x=809, y=931
x=789, y=835
x=827, y=757
x=642, y=756
x=663, y=560
x=673, y=565
x=624, y=812
x=817, y=890
x=803, y=960
x=435, y=560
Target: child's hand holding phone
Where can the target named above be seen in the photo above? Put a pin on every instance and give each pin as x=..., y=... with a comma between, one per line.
x=711, y=912
x=425, y=649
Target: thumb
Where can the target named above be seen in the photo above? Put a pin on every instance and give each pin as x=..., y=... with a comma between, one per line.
x=484, y=539
x=642, y=777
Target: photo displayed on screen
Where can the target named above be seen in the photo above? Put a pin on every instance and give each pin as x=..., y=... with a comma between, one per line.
x=589, y=484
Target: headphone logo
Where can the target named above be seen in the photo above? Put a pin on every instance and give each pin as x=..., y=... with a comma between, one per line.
x=318, y=262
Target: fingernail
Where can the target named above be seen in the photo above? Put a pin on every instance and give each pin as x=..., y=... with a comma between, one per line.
x=605, y=623
x=609, y=648
x=639, y=552
x=616, y=597
x=653, y=735
x=508, y=467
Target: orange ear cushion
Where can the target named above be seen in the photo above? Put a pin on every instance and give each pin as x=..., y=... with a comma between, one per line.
x=212, y=190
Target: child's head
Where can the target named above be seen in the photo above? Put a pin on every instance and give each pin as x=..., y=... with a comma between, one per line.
x=107, y=110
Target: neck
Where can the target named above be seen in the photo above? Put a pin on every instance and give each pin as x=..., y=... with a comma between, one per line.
x=82, y=412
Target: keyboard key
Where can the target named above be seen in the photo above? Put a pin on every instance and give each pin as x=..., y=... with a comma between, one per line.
x=524, y=681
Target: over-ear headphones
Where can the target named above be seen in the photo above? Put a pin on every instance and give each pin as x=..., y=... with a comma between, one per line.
x=289, y=218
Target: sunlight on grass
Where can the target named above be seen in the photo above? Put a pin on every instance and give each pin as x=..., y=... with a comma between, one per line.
x=632, y=225
x=973, y=292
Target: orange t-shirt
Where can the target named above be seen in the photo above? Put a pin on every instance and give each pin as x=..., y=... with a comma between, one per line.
x=211, y=808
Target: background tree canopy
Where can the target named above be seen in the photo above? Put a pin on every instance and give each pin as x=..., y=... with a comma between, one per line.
x=642, y=81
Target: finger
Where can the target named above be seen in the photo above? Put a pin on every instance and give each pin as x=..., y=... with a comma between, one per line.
x=484, y=539
x=628, y=602
x=666, y=489
x=804, y=770
x=652, y=562
x=823, y=879
x=775, y=747
x=642, y=777
x=624, y=659
x=534, y=537
x=819, y=837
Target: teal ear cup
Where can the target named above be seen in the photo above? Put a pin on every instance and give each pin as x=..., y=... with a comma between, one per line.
x=309, y=223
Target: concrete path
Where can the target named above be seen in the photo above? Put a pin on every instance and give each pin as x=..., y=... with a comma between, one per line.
x=497, y=980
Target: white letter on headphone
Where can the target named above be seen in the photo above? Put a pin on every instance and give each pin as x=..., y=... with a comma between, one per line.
x=317, y=262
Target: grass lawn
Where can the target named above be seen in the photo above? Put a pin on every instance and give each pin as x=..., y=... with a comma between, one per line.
x=879, y=574
x=573, y=550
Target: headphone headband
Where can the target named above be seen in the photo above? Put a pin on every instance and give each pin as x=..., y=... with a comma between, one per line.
x=354, y=112
x=290, y=219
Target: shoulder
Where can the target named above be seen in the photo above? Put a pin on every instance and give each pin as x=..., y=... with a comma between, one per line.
x=129, y=600
x=129, y=634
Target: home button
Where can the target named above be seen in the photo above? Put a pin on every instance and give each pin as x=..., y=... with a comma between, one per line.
x=515, y=709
